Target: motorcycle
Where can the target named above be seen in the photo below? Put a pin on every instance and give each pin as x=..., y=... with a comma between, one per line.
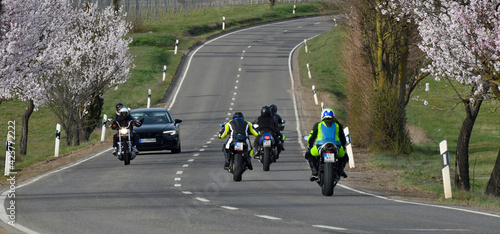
x=328, y=175
x=125, y=152
x=267, y=150
x=238, y=150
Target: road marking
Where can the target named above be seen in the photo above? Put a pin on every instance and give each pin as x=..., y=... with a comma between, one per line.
x=232, y=103
x=177, y=179
x=190, y=160
x=208, y=142
x=230, y=208
x=235, y=87
x=330, y=227
x=202, y=199
x=196, y=155
x=185, y=165
x=205, y=146
x=187, y=192
x=268, y=217
x=241, y=57
x=202, y=150
x=179, y=172
x=177, y=185
x=234, y=94
x=431, y=230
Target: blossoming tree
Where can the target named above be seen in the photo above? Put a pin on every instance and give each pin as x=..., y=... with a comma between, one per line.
x=462, y=40
x=30, y=29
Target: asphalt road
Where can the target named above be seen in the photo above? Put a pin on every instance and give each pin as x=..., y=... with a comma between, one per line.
x=189, y=192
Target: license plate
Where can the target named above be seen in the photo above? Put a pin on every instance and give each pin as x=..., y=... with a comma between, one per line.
x=147, y=140
x=267, y=143
x=329, y=157
x=238, y=146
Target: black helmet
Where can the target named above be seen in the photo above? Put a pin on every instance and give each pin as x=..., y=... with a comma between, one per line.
x=238, y=115
x=274, y=108
x=265, y=111
x=118, y=107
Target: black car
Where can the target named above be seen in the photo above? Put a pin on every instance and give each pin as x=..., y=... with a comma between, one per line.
x=159, y=130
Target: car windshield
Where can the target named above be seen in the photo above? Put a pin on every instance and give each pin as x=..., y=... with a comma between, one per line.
x=157, y=117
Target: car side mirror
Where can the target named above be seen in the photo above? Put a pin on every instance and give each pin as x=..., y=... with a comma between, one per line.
x=176, y=121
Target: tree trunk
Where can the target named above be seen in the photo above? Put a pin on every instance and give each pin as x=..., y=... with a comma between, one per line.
x=23, y=145
x=493, y=187
x=93, y=118
x=462, y=155
x=272, y=3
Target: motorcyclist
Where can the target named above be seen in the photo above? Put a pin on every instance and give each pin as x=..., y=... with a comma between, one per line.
x=266, y=123
x=328, y=129
x=123, y=119
x=281, y=126
x=236, y=126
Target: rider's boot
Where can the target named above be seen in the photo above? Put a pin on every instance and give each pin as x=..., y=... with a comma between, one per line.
x=249, y=162
x=342, y=163
x=314, y=170
x=226, y=159
x=115, y=150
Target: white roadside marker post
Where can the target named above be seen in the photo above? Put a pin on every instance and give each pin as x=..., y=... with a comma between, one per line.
x=58, y=139
x=308, y=70
x=149, y=97
x=164, y=71
x=445, y=159
x=103, y=130
x=8, y=154
x=176, y=45
x=305, y=44
x=315, y=96
x=223, y=23
x=294, y=9
x=349, y=147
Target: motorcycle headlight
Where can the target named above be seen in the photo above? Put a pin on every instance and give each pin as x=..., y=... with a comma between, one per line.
x=123, y=131
x=170, y=132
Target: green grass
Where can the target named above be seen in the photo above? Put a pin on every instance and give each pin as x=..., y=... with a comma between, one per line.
x=438, y=119
x=326, y=72
x=152, y=47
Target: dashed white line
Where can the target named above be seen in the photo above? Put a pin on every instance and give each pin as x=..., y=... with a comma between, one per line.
x=190, y=160
x=330, y=227
x=177, y=185
x=205, y=146
x=241, y=57
x=268, y=217
x=196, y=155
x=177, y=179
x=235, y=87
x=234, y=94
x=231, y=109
x=187, y=192
x=185, y=165
x=179, y=172
x=232, y=103
x=208, y=142
x=202, y=149
x=230, y=208
x=202, y=199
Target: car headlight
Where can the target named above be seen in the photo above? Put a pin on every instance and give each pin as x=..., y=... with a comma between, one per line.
x=171, y=132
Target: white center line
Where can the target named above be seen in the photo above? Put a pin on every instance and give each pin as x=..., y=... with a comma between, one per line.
x=268, y=217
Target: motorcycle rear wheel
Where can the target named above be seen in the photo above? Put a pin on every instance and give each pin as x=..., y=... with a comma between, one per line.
x=266, y=161
x=327, y=178
x=238, y=167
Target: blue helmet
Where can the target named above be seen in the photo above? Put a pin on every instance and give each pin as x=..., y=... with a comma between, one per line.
x=327, y=114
